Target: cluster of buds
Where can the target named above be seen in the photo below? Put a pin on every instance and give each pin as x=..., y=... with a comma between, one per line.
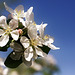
x=26, y=38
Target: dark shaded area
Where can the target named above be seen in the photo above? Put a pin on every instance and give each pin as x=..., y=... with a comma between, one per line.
x=9, y=62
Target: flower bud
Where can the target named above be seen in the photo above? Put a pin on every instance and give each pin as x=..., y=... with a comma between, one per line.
x=20, y=31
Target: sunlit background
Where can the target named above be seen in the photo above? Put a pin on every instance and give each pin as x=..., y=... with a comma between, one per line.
x=60, y=16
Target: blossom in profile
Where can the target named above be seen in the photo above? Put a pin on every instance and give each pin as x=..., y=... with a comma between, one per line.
x=8, y=30
x=18, y=13
x=48, y=40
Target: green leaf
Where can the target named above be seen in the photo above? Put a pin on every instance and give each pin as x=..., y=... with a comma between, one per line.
x=8, y=21
x=45, y=49
x=20, y=26
x=9, y=62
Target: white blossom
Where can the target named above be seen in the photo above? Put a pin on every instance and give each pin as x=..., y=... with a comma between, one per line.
x=48, y=40
x=7, y=30
x=17, y=13
x=32, y=49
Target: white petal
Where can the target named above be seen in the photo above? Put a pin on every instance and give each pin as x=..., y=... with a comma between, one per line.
x=48, y=40
x=3, y=23
x=22, y=21
x=8, y=8
x=19, y=8
x=16, y=47
x=41, y=31
x=40, y=52
x=29, y=15
x=13, y=24
x=2, y=20
x=15, y=34
x=1, y=32
x=51, y=39
x=53, y=47
x=27, y=63
x=24, y=41
x=4, y=40
x=43, y=26
x=29, y=11
x=32, y=32
x=28, y=53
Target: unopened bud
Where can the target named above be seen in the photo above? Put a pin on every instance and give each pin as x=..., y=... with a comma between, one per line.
x=20, y=31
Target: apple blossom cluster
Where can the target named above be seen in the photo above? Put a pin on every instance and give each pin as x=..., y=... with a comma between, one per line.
x=26, y=38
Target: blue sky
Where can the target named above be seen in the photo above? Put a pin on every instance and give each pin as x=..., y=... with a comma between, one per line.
x=60, y=16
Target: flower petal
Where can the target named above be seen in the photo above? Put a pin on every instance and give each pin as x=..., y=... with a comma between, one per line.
x=8, y=8
x=27, y=63
x=22, y=21
x=41, y=31
x=29, y=15
x=3, y=23
x=28, y=53
x=32, y=32
x=48, y=40
x=15, y=34
x=29, y=11
x=13, y=24
x=19, y=8
x=38, y=26
x=24, y=41
x=4, y=40
x=1, y=32
x=53, y=47
x=40, y=52
x=51, y=39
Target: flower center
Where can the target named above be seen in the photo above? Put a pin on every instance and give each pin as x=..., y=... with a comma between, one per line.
x=34, y=42
x=46, y=37
x=8, y=30
x=34, y=23
x=18, y=13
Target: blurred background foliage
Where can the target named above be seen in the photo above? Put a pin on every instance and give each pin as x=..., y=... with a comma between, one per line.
x=41, y=66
